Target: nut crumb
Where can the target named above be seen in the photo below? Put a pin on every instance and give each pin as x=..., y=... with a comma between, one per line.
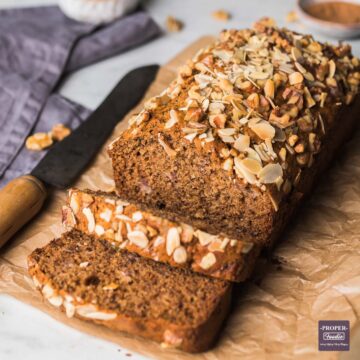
x=173, y=24
x=292, y=17
x=60, y=132
x=221, y=15
x=38, y=141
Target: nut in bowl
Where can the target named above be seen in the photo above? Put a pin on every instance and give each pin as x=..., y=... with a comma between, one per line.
x=96, y=12
x=338, y=19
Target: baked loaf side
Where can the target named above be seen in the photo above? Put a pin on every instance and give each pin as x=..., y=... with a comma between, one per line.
x=89, y=279
x=127, y=227
x=230, y=144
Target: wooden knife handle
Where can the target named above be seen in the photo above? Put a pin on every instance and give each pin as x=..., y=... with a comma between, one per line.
x=20, y=200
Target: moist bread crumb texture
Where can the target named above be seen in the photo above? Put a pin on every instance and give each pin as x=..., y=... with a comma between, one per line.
x=125, y=226
x=90, y=279
x=227, y=146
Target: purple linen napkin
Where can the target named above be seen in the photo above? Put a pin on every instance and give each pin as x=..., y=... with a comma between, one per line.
x=37, y=46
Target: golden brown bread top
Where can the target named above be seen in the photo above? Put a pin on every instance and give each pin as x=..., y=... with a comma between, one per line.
x=262, y=98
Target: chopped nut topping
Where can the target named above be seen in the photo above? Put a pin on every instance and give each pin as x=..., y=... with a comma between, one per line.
x=138, y=238
x=208, y=261
x=60, y=132
x=173, y=25
x=221, y=15
x=38, y=141
x=172, y=240
x=180, y=255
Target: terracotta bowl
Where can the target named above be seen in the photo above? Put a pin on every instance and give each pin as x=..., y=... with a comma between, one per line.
x=328, y=28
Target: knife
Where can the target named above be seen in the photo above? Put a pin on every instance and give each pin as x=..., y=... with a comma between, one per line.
x=22, y=198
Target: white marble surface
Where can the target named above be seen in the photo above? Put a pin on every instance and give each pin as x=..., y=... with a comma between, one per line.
x=26, y=333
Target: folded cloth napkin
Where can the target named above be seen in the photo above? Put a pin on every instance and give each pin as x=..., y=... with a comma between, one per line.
x=37, y=46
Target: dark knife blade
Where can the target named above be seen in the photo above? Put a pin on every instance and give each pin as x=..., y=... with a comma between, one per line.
x=68, y=158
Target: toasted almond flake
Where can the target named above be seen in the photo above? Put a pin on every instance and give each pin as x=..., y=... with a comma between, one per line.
x=119, y=209
x=233, y=242
x=169, y=151
x=309, y=76
x=227, y=132
x=47, y=291
x=122, y=217
x=84, y=264
x=216, y=245
x=158, y=241
x=253, y=101
x=242, y=142
x=323, y=97
x=300, y=68
x=270, y=149
x=217, y=121
x=106, y=215
x=224, y=243
x=228, y=164
x=322, y=124
x=227, y=139
x=74, y=203
x=296, y=78
x=263, y=130
x=90, y=219
x=173, y=119
x=252, y=154
x=180, y=255
x=251, y=165
x=208, y=261
x=332, y=68
x=190, y=137
x=241, y=170
x=296, y=54
x=99, y=230
x=261, y=151
x=247, y=248
x=309, y=100
x=269, y=89
x=55, y=300
x=90, y=311
x=138, y=238
x=137, y=216
x=204, y=237
x=172, y=240
x=69, y=309
x=205, y=105
x=270, y=173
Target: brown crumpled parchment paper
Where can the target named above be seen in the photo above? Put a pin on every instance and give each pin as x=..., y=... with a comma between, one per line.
x=314, y=273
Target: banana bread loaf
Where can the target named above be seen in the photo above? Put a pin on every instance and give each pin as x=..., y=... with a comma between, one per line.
x=88, y=278
x=126, y=226
x=238, y=138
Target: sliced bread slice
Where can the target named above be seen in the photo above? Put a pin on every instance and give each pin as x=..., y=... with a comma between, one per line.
x=92, y=280
x=126, y=226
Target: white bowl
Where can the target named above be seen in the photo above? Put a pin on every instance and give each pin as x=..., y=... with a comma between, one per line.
x=332, y=29
x=96, y=11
